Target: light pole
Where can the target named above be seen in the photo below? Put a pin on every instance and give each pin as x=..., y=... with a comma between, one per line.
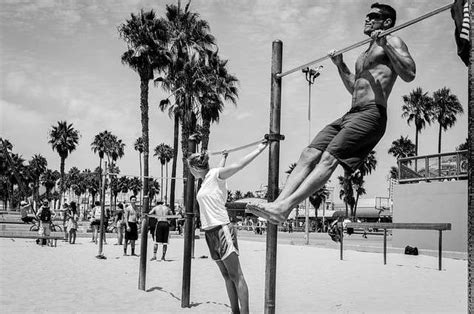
x=311, y=75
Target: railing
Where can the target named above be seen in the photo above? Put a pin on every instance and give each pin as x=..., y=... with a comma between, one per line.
x=445, y=166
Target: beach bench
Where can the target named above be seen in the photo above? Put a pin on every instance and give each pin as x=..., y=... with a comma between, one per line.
x=412, y=226
x=30, y=235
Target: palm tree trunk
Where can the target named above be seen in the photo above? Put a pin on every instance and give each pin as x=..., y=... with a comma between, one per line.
x=166, y=191
x=205, y=132
x=188, y=127
x=439, y=139
x=145, y=209
x=61, y=189
x=175, y=161
x=355, y=207
x=161, y=187
x=100, y=171
x=141, y=176
x=439, y=150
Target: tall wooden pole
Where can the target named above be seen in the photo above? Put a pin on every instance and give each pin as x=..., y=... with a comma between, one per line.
x=102, y=210
x=470, y=213
x=273, y=172
x=188, y=231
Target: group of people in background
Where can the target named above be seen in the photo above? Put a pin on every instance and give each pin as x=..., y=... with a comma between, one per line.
x=125, y=219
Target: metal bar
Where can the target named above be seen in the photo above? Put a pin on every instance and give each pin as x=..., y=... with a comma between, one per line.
x=461, y=176
x=385, y=246
x=273, y=174
x=440, y=249
x=366, y=41
x=148, y=177
x=461, y=152
x=188, y=232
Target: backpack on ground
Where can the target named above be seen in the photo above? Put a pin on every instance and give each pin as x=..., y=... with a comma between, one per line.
x=411, y=250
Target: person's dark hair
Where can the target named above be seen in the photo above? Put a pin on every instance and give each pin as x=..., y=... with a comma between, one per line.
x=159, y=203
x=133, y=196
x=97, y=203
x=387, y=12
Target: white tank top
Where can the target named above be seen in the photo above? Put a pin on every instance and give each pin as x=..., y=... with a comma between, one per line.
x=212, y=197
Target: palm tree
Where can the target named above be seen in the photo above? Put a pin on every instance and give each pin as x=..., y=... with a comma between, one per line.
x=446, y=107
x=417, y=109
x=463, y=146
x=49, y=179
x=402, y=148
x=222, y=88
x=346, y=194
x=135, y=185
x=357, y=179
x=164, y=153
x=154, y=189
x=393, y=173
x=189, y=40
x=101, y=145
x=64, y=140
x=146, y=38
x=37, y=166
x=123, y=184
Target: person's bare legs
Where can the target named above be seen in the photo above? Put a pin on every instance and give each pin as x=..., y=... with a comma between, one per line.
x=236, y=285
x=308, y=159
x=278, y=211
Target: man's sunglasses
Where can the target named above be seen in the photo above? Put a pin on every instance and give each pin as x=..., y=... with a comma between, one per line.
x=374, y=16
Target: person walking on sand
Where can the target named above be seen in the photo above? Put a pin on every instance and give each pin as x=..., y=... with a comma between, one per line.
x=162, y=228
x=131, y=231
x=221, y=236
x=348, y=140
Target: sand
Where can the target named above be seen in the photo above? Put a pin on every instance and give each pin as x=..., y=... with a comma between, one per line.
x=69, y=278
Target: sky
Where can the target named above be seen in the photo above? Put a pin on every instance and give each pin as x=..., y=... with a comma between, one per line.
x=60, y=60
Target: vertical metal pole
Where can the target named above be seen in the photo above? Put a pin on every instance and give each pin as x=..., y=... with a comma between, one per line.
x=273, y=173
x=188, y=231
x=470, y=190
x=102, y=209
x=385, y=246
x=341, y=229
x=440, y=248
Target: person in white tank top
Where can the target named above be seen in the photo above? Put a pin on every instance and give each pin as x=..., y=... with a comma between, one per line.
x=220, y=234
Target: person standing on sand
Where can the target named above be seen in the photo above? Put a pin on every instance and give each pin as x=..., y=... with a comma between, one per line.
x=119, y=223
x=95, y=221
x=45, y=216
x=221, y=236
x=162, y=229
x=131, y=232
x=72, y=223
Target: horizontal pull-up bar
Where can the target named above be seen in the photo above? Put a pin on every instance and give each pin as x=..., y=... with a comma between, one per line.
x=363, y=42
x=149, y=177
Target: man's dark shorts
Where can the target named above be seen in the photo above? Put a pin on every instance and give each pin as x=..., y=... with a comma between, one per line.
x=133, y=233
x=162, y=232
x=353, y=136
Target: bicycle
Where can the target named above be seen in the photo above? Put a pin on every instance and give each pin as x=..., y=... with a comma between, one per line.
x=54, y=227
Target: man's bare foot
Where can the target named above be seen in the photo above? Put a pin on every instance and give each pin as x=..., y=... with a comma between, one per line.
x=268, y=211
x=153, y=258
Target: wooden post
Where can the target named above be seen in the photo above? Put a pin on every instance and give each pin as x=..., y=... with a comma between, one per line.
x=188, y=231
x=102, y=209
x=273, y=173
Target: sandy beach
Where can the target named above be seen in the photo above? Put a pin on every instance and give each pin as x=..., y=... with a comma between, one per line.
x=69, y=278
